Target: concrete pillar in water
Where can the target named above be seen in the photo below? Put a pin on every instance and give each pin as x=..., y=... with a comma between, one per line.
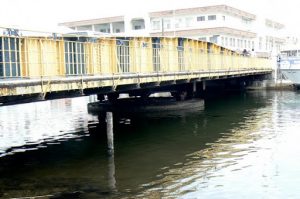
x=203, y=85
x=110, y=133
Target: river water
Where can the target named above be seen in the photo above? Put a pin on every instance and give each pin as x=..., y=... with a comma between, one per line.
x=243, y=145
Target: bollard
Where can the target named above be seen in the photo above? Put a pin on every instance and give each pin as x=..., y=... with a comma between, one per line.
x=110, y=133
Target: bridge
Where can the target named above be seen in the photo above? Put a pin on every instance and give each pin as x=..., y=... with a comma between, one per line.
x=46, y=66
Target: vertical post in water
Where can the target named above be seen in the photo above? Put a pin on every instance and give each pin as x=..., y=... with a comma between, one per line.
x=111, y=173
x=110, y=133
x=204, y=85
x=194, y=88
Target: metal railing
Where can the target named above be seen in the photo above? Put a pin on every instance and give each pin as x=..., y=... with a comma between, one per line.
x=36, y=57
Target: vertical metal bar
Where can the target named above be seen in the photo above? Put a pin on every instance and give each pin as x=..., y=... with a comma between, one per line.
x=157, y=59
x=68, y=56
x=127, y=55
x=26, y=57
x=9, y=56
x=76, y=57
x=20, y=57
x=80, y=58
x=123, y=58
x=72, y=58
x=16, y=57
x=118, y=58
x=127, y=58
x=3, y=56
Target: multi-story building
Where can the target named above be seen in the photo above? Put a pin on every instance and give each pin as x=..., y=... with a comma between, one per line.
x=221, y=24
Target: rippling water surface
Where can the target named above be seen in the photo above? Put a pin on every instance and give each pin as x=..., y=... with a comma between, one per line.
x=238, y=146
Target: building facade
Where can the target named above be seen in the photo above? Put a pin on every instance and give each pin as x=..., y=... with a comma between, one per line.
x=221, y=24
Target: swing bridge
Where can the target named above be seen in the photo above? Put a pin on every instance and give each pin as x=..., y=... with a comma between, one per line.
x=46, y=66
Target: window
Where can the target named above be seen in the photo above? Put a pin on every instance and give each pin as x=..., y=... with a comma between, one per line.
x=211, y=17
x=156, y=25
x=178, y=23
x=223, y=18
x=10, y=57
x=74, y=58
x=201, y=18
x=230, y=42
x=102, y=30
x=213, y=39
x=226, y=41
x=233, y=42
x=137, y=27
x=123, y=55
x=118, y=30
x=260, y=43
x=180, y=50
x=222, y=41
x=137, y=24
x=246, y=20
x=167, y=24
x=202, y=38
x=188, y=21
x=83, y=28
x=156, y=53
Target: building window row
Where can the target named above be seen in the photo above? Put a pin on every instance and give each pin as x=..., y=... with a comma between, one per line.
x=209, y=18
x=201, y=18
x=238, y=43
x=180, y=22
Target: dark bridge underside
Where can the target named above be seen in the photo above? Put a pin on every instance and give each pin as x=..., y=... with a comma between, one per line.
x=196, y=86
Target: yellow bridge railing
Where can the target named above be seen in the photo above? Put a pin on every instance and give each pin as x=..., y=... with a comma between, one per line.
x=52, y=63
x=34, y=57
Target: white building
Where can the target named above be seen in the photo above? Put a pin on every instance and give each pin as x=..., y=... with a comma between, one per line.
x=220, y=24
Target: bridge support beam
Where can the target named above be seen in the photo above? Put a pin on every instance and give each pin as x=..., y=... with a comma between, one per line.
x=110, y=133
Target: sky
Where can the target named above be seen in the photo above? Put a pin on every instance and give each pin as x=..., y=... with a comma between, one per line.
x=46, y=14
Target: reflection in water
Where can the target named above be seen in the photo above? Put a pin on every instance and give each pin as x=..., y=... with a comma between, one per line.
x=111, y=173
x=243, y=146
x=41, y=122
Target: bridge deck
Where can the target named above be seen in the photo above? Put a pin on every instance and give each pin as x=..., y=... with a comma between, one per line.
x=45, y=85
x=41, y=65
